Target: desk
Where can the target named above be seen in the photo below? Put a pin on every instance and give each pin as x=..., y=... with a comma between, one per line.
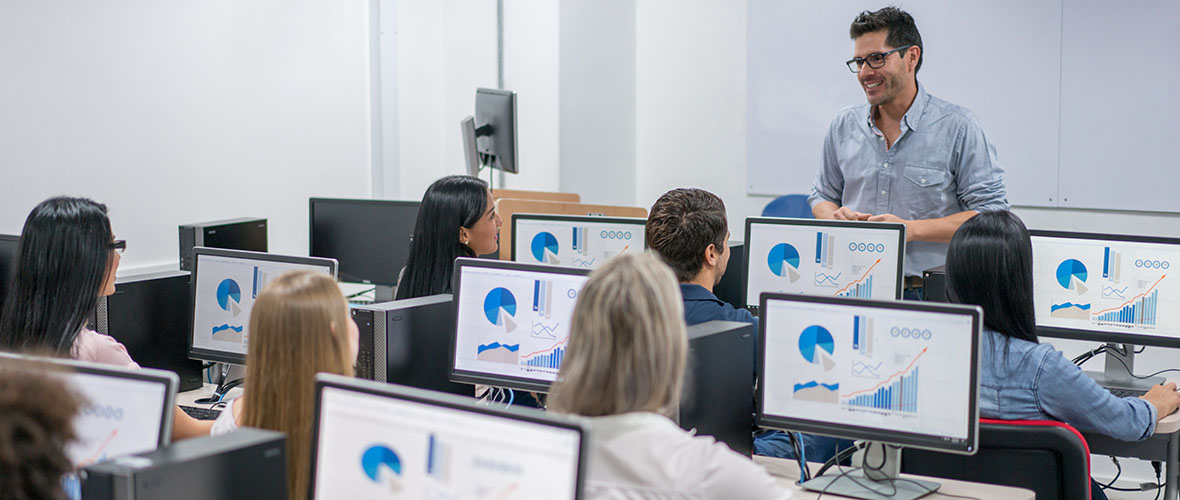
x=1163, y=446
x=787, y=472
x=189, y=398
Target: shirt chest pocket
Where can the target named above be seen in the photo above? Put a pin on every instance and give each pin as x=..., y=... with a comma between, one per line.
x=924, y=177
x=925, y=190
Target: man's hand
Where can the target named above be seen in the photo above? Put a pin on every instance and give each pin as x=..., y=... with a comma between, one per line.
x=845, y=213
x=909, y=227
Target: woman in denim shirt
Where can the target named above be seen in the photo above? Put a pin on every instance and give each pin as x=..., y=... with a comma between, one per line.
x=989, y=263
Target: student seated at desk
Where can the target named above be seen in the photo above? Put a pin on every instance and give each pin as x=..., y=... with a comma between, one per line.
x=299, y=326
x=66, y=259
x=457, y=218
x=688, y=229
x=623, y=369
x=989, y=263
x=36, y=423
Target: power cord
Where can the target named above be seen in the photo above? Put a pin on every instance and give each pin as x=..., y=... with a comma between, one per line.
x=1088, y=355
x=1158, y=485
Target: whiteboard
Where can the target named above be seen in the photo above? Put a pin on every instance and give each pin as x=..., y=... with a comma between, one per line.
x=173, y=112
x=1001, y=59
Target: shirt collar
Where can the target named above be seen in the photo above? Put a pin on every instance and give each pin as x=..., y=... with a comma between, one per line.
x=913, y=116
x=693, y=291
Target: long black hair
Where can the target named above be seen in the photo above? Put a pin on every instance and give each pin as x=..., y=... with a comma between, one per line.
x=62, y=262
x=450, y=203
x=989, y=264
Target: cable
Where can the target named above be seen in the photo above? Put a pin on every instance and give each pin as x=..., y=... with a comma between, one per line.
x=1118, y=472
x=511, y=397
x=839, y=457
x=844, y=474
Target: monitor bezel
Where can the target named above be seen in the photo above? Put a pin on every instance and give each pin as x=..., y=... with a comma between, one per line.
x=599, y=219
x=471, y=377
x=1098, y=335
x=169, y=379
x=448, y=401
x=221, y=356
x=311, y=250
x=839, y=224
x=907, y=439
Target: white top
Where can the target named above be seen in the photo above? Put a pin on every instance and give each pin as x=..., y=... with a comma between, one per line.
x=645, y=455
x=225, y=422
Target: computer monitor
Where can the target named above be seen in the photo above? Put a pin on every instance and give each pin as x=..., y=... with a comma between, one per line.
x=369, y=238
x=573, y=240
x=495, y=128
x=8, y=247
x=823, y=257
x=852, y=368
x=125, y=411
x=372, y=440
x=224, y=286
x=470, y=151
x=245, y=233
x=512, y=322
x=1108, y=288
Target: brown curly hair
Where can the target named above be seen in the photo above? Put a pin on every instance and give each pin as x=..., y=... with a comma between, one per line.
x=36, y=422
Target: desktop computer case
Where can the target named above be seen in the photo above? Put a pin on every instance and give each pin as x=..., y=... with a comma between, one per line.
x=718, y=394
x=407, y=342
x=247, y=233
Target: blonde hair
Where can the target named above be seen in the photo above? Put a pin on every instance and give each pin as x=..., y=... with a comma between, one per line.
x=627, y=342
x=298, y=327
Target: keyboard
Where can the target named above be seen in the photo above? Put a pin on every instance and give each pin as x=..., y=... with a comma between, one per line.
x=1123, y=393
x=200, y=413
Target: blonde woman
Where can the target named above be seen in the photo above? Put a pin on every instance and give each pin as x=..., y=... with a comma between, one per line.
x=624, y=369
x=299, y=326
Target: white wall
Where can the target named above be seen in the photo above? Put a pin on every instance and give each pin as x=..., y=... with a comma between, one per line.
x=173, y=112
x=531, y=68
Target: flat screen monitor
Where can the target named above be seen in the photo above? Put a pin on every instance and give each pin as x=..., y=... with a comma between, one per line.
x=125, y=411
x=470, y=152
x=1107, y=288
x=224, y=286
x=512, y=322
x=824, y=258
x=574, y=241
x=495, y=128
x=369, y=238
x=374, y=440
x=8, y=247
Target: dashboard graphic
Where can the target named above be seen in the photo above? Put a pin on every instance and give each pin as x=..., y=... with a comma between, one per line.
x=855, y=261
x=380, y=457
x=500, y=306
x=544, y=248
x=575, y=241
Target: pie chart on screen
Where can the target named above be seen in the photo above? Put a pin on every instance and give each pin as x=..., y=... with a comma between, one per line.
x=229, y=295
x=500, y=307
x=1071, y=275
x=544, y=248
x=378, y=458
x=817, y=346
x=783, y=260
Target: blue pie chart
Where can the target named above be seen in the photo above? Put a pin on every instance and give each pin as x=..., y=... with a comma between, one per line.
x=499, y=299
x=228, y=290
x=779, y=254
x=812, y=337
x=378, y=456
x=542, y=242
x=1068, y=269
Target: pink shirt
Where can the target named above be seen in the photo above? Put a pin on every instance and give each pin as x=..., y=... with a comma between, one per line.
x=98, y=348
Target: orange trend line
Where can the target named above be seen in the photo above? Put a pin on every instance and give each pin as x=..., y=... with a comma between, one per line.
x=1133, y=299
x=862, y=277
x=886, y=381
x=625, y=248
x=98, y=452
x=549, y=349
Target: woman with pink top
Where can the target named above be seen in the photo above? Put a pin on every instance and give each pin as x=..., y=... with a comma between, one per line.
x=66, y=259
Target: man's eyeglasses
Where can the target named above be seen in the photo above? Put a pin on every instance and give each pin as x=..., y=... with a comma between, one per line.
x=119, y=246
x=874, y=61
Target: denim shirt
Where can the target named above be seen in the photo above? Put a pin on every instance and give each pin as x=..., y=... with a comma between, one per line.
x=1021, y=380
x=941, y=164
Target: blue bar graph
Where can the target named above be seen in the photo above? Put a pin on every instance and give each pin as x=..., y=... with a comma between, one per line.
x=1106, y=263
x=856, y=333
x=576, y=240
x=551, y=360
x=1139, y=312
x=901, y=395
x=541, y=297
x=862, y=290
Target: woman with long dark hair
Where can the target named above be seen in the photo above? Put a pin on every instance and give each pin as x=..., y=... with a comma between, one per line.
x=66, y=259
x=989, y=264
x=457, y=218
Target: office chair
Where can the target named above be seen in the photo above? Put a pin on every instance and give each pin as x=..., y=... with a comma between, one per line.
x=1051, y=458
x=789, y=205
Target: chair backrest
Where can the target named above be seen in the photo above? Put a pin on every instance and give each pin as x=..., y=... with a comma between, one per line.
x=1051, y=458
x=789, y=205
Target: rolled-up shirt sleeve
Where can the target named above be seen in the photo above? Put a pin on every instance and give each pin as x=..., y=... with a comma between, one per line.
x=828, y=184
x=1068, y=394
x=978, y=172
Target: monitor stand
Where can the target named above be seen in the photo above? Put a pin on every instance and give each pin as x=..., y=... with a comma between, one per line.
x=224, y=385
x=877, y=479
x=1118, y=375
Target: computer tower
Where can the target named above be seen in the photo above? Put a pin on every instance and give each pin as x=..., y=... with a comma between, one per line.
x=149, y=314
x=8, y=244
x=247, y=233
x=248, y=464
x=729, y=289
x=718, y=395
x=934, y=284
x=407, y=342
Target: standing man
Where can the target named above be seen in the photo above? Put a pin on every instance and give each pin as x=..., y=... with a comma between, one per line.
x=905, y=156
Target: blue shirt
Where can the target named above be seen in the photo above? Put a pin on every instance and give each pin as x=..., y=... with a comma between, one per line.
x=700, y=305
x=1021, y=380
x=941, y=164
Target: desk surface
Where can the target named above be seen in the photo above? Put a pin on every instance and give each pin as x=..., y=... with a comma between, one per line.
x=188, y=398
x=787, y=472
